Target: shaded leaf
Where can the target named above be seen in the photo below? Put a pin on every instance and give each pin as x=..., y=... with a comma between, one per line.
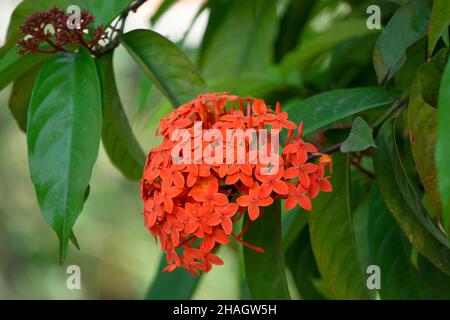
x=325, y=108
x=13, y=65
x=300, y=261
x=21, y=95
x=171, y=70
x=442, y=149
x=240, y=40
x=117, y=136
x=333, y=240
x=422, y=123
x=266, y=276
x=360, y=137
x=408, y=25
x=439, y=22
x=338, y=32
x=63, y=135
x=176, y=285
x=403, y=201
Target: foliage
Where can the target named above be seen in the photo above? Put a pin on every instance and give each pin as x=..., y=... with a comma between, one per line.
x=378, y=100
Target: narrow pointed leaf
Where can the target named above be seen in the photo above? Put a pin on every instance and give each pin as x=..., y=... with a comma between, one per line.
x=118, y=138
x=439, y=22
x=63, y=135
x=171, y=70
x=442, y=149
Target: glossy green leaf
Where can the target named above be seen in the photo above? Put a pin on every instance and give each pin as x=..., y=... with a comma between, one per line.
x=325, y=108
x=338, y=33
x=439, y=23
x=175, y=285
x=63, y=135
x=118, y=138
x=403, y=201
x=360, y=137
x=442, y=149
x=171, y=70
x=240, y=40
x=333, y=240
x=266, y=275
x=422, y=124
x=408, y=25
x=13, y=65
x=103, y=11
x=21, y=95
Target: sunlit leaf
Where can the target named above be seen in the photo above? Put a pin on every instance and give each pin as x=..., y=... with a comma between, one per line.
x=439, y=22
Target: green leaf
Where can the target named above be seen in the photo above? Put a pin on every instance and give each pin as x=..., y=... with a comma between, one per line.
x=338, y=32
x=118, y=138
x=442, y=149
x=13, y=65
x=360, y=137
x=103, y=11
x=390, y=250
x=301, y=263
x=422, y=124
x=175, y=285
x=266, y=275
x=439, y=22
x=404, y=202
x=171, y=70
x=21, y=95
x=325, y=108
x=408, y=25
x=292, y=227
x=240, y=40
x=63, y=135
x=333, y=240
x=292, y=23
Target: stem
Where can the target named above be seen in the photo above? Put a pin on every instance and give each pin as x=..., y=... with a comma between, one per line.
x=362, y=169
x=114, y=43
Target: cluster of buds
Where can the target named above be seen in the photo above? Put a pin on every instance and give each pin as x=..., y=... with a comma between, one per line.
x=51, y=31
x=193, y=198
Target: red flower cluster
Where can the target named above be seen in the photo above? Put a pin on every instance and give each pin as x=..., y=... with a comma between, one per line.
x=47, y=32
x=191, y=207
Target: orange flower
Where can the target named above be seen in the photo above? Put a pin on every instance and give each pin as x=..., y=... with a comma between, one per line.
x=191, y=208
x=257, y=197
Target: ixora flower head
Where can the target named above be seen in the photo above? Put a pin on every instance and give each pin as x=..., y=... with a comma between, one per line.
x=212, y=168
x=48, y=32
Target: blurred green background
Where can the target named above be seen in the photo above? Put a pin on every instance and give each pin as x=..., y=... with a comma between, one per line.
x=118, y=258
